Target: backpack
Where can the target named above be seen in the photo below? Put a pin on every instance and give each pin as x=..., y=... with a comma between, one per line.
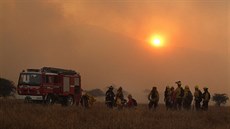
x=181, y=92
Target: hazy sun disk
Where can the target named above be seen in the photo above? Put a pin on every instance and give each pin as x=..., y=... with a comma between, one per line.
x=156, y=41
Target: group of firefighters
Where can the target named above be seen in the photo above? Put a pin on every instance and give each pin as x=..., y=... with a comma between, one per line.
x=175, y=99
x=111, y=99
x=118, y=99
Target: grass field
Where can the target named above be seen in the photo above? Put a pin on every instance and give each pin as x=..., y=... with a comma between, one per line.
x=15, y=114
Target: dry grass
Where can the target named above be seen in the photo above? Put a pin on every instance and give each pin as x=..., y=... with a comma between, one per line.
x=14, y=114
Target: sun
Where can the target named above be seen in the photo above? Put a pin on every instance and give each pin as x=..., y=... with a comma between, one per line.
x=156, y=41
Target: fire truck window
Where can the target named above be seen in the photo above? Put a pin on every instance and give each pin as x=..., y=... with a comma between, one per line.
x=49, y=79
x=76, y=81
x=30, y=79
x=24, y=78
x=34, y=79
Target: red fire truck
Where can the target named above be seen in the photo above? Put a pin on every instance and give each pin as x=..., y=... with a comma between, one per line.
x=50, y=85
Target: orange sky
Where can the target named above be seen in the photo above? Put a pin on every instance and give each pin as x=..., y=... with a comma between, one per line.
x=106, y=41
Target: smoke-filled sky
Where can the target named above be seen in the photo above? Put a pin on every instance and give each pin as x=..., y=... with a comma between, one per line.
x=108, y=41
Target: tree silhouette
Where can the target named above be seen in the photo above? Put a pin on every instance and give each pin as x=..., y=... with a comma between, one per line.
x=96, y=92
x=220, y=99
x=6, y=87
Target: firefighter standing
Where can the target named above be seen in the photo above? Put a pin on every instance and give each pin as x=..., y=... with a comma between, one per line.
x=167, y=97
x=120, y=101
x=85, y=100
x=179, y=95
x=109, y=97
x=153, y=98
x=77, y=92
x=206, y=98
x=187, y=98
x=197, y=98
x=172, y=98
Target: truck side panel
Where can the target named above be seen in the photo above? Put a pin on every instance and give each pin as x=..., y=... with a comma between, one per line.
x=66, y=84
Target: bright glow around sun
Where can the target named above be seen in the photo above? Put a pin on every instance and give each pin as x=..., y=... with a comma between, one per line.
x=156, y=41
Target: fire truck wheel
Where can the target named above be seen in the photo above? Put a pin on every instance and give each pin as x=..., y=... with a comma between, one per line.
x=69, y=101
x=49, y=100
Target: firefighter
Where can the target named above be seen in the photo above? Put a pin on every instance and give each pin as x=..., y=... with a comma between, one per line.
x=179, y=92
x=85, y=100
x=132, y=103
x=92, y=100
x=153, y=98
x=172, y=98
x=119, y=100
x=206, y=98
x=167, y=97
x=109, y=97
x=197, y=98
x=77, y=92
x=187, y=98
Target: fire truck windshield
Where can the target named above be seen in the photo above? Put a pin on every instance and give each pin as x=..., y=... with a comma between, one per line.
x=32, y=79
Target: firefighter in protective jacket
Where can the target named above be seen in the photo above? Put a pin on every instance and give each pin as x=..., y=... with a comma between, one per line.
x=167, y=97
x=109, y=97
x=206, y=98
x=153, y=98
x=179, y=95
x=187, y=98
x=197, y=98
x=120, y=101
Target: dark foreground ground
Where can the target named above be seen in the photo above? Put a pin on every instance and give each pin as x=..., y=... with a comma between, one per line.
x=15, y=114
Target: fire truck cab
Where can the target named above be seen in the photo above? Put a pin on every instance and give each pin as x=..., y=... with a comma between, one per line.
x=51, y=85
